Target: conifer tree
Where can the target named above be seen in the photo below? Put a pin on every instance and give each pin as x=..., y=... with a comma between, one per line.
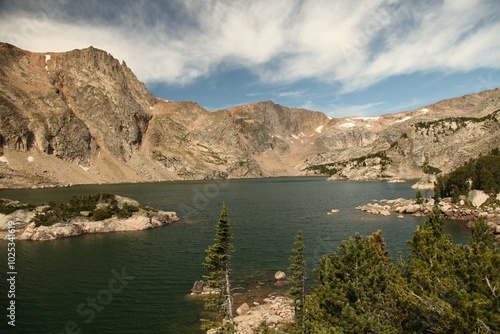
x=429, y=277
x=297, y=280
x=418, y=197
x=354, y=292
x=451, y=288
x=217, y=262
x=480, y=234
x=481, y=275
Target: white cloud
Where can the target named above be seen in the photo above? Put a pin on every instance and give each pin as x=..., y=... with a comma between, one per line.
x=355, y=110
x=355, y=43
x=293, y=94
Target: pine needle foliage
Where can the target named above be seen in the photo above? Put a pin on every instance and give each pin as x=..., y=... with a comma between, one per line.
x=297, y=280
x=217, y=262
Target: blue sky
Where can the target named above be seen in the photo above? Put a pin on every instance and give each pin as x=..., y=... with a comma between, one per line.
x=343, y=57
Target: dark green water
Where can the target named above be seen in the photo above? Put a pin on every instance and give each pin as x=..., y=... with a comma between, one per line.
x=56, y=277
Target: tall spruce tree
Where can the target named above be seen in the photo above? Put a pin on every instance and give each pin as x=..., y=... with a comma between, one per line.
x=297, y=280
x=217, y=262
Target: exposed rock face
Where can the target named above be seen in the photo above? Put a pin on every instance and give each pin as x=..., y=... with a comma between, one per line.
x=425, y=183
x=83, y=117
x=71, y=104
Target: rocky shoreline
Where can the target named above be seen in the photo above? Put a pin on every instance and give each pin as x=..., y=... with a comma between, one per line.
x=273, y=311
x=27, y=230
x=261, y=302
x=461, y=211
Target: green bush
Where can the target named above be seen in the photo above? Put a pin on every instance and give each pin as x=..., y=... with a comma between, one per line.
x=127, y=211
x=102, y=213
x=428, y=169
x=45, y=219
x=9, y=208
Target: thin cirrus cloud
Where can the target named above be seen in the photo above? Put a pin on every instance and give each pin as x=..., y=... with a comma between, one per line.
x=354, y=44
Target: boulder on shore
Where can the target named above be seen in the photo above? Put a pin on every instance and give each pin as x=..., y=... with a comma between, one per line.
x=243, y=309
x=280, y=276
x=198, y=287
x=477, y=197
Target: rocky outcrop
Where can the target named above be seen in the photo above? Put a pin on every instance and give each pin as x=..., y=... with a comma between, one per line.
x=200, y=288
x=83, y=117
x=450, y=210
x=27, y=230
x=425, y=183
x=138, y=222
x=273, y=311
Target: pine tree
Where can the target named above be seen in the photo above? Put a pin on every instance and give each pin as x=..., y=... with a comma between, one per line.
x=451, y=288
x=481, y=275
x=217, y=262
x=355, y=290
x=431, y=285
x=297, y=280
x=418, y=197
x=480, y=234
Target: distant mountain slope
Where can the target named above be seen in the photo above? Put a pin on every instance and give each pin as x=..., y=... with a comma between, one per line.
x=82, y=117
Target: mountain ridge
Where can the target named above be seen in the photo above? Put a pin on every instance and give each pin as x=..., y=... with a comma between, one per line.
x=83, y=117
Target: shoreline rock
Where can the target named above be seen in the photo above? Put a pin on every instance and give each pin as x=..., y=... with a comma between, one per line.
x=274, y=311
x=449, y=209
x=260, y=302
x=280, y=276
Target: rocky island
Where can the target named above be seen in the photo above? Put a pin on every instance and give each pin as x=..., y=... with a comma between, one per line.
x=96, y=213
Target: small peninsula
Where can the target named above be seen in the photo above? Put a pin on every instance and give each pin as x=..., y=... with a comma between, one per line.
x=94, y=213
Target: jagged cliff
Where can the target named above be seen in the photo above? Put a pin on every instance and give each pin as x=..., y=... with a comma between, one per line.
x=83, y=117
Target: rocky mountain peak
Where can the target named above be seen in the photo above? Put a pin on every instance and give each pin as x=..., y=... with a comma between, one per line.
x=72, y=104
x=83, y=117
